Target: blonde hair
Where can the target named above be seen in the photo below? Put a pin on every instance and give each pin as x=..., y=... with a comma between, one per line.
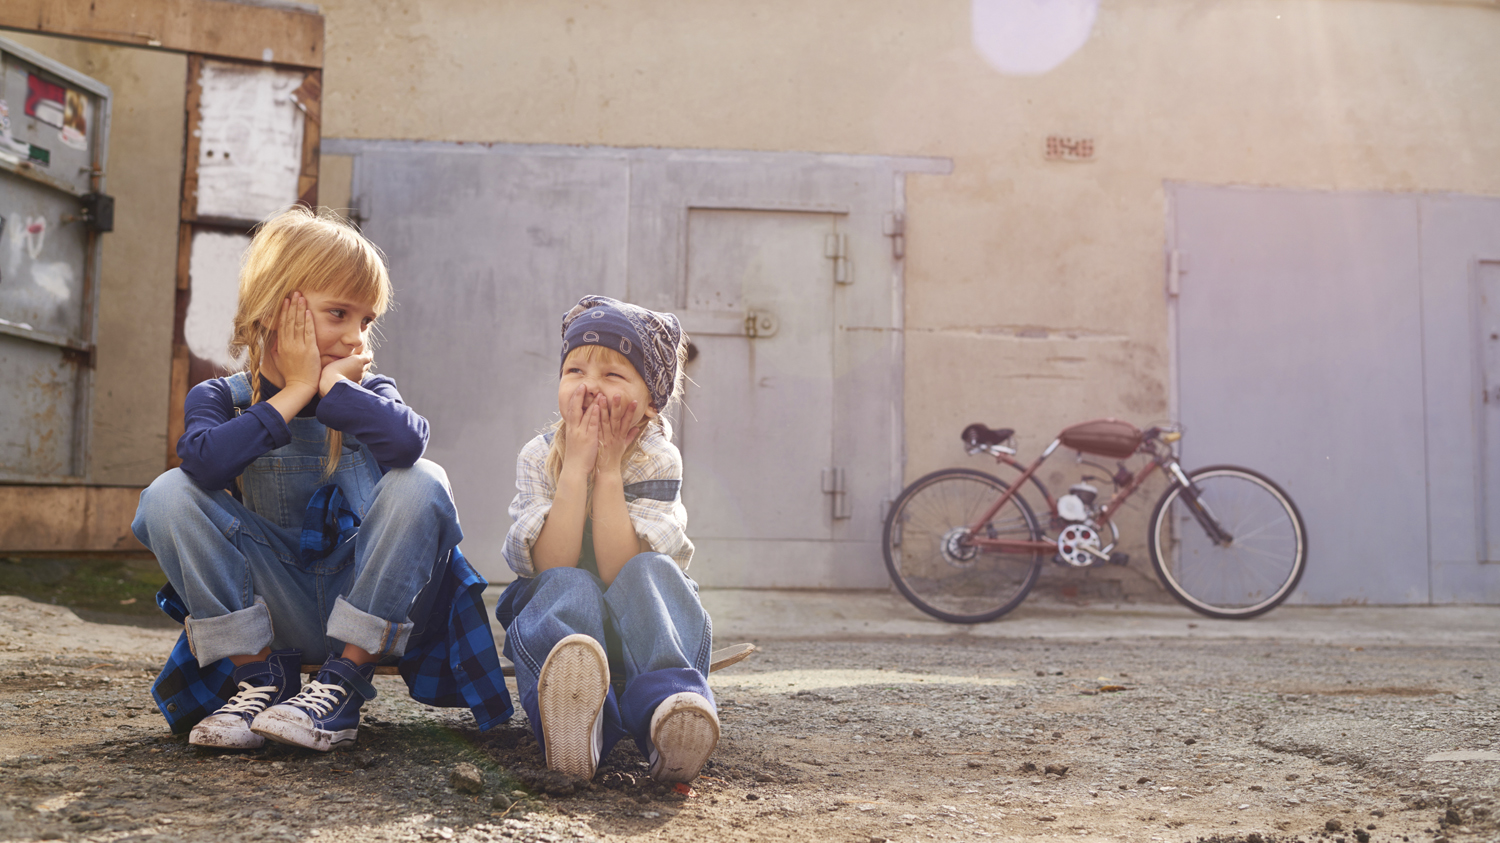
x=588, y=354
x=311, y=251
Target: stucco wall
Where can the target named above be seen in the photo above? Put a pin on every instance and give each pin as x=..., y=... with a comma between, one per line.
x=1035, y=285
x=1034, y=288
x=139, y=258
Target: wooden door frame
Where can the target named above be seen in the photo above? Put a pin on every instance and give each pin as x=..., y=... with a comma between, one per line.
x=288, y=36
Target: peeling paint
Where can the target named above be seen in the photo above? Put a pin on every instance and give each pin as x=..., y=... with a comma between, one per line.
x=55, y=278
x=250, y=141
x=213, y=270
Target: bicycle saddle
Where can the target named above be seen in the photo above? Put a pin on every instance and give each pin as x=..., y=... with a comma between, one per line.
x=977, y=435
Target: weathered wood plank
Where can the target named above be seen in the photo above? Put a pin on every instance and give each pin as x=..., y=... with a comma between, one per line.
x=309, y=96
x=49, y=518
x=287, y=36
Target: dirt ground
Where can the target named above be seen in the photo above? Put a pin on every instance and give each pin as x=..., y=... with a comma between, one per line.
x=852, y=738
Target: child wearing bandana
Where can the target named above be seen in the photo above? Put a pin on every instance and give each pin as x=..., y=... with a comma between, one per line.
x=604, y=627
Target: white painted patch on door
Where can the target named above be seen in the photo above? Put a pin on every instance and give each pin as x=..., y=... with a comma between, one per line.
x=55, y=278
x=250, y=142
x=214, y=272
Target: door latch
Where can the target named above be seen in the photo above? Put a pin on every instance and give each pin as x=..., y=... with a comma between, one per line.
x=760, y=323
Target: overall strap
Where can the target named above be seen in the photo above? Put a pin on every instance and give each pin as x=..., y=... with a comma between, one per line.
x=239, y=389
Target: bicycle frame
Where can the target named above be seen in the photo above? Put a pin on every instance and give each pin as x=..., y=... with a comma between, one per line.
x=1106, y=512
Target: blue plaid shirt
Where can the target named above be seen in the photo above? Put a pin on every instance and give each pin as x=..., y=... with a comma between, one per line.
x=453, y=663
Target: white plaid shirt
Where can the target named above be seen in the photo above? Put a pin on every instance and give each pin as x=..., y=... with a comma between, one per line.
x=655, y=471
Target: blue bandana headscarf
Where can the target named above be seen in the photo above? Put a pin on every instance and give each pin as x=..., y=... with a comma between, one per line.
x=648, y=339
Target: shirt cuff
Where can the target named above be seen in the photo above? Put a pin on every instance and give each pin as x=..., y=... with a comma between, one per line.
x=270, y=418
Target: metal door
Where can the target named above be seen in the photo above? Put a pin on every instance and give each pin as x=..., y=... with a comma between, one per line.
x=1460, y=266
x=53, y=130
x=1345, y=344
x=1300, y=354
x=486, y=253
x=1487, y=336
x=757, y=431
x=791, y=438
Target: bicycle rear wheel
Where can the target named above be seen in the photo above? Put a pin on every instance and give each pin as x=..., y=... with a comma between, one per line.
x=1250, y=574
x=930, y=565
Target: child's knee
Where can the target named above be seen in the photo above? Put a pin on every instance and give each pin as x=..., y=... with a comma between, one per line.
x=570, y=594
x=423, y=481
x=167, y=496
x=650, y=565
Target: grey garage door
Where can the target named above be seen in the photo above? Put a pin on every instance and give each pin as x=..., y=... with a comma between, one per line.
x=1339, y=343
x=781, y=268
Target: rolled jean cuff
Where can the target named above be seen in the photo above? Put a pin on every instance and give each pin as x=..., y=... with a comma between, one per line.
x=239, y=633
x=374, y=635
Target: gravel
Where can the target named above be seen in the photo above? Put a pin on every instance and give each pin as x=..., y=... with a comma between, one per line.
x=851, y=739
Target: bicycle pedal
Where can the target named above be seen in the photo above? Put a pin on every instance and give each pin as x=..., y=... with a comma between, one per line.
x=1118, y=558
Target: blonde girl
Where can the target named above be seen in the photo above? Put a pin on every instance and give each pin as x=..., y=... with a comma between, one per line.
x=600, y=545
x=303, y=524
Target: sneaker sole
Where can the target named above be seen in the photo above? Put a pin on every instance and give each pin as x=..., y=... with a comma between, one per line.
x=684, y=737
x=211, y=732
x=296, y=732
x=570, y=694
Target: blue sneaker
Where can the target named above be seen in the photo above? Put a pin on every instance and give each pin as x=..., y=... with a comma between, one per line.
x=261, y=684
x=326, y=713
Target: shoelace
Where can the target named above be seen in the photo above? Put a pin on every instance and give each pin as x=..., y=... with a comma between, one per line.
x=251, y=699
x=320, y=697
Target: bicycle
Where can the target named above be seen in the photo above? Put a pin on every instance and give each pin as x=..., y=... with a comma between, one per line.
x=965, y=547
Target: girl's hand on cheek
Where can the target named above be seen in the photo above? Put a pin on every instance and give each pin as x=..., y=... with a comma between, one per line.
x=581, y=426
x=354, y=367
x=616, y=432
x=296, y=348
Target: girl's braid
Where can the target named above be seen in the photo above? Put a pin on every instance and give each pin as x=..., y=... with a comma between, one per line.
x=252, y=367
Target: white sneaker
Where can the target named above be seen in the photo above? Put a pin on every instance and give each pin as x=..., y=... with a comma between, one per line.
x=265, y=683
x=684, y=732
x=570, y=693
x=229, y=727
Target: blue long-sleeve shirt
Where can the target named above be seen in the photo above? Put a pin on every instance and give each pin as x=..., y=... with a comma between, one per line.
x=217, y=443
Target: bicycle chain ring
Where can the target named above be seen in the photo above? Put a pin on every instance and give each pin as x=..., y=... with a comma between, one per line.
x=1072, y=541
x=955, y=552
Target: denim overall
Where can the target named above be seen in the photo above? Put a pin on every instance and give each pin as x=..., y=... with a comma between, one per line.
x=271, y=571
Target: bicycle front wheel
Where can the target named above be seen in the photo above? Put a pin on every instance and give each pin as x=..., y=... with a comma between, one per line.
x=1252, y=571
x=932, y=566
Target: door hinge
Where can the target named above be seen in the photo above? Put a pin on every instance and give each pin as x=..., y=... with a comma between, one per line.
x=836, y=249
x=359, y=211
x=895, y=228
x=1177, y=266
x=833, y=484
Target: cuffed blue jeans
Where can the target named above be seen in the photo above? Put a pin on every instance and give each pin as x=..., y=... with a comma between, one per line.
x=247, y=587
x=658, y=637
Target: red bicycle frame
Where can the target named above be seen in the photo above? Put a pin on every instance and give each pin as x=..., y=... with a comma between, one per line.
x=1106, y=512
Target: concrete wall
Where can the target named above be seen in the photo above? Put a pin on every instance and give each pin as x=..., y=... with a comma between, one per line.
x=1034, y=288
x=1036, y=284
x=137, y=280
